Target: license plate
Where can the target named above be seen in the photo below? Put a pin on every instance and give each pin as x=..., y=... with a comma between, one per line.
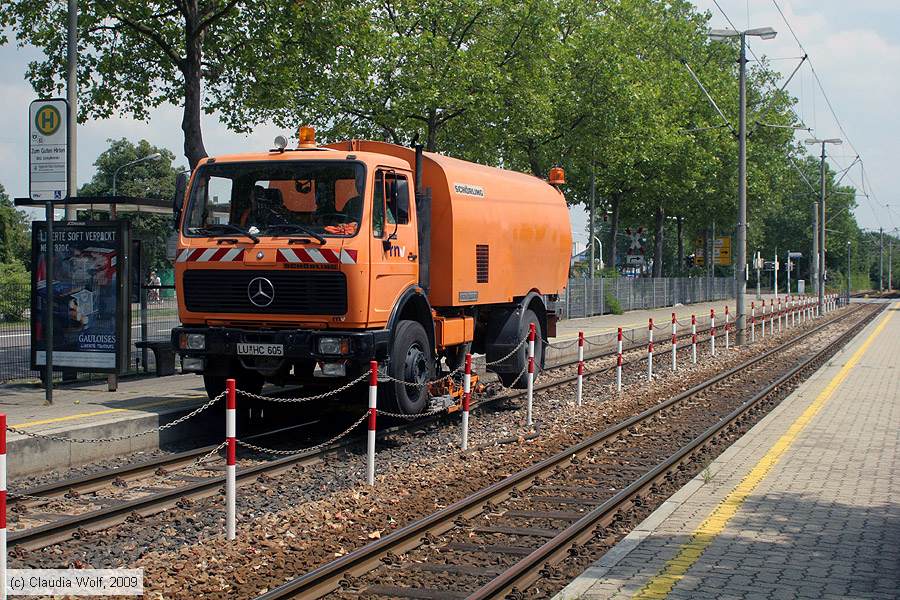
x=261, y=349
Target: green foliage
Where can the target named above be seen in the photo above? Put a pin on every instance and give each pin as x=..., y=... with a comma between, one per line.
x=16, y=285
x=15, y=239
x=135, y=55
x=612, y=303
x=600, y=89
x=148, y=179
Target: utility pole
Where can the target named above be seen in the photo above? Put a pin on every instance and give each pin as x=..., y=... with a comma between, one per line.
x=881, y=261
x=591, y=226
x=72, y=98
x=776, y=273
x=820, y=233
x=758, y=264
x=742, y=198
x=849, y=272
x=814, y=256
x=890, y=263
x=766, y=33
x=788, y=267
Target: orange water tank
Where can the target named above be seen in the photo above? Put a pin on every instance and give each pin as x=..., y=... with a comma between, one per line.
x=495, y=234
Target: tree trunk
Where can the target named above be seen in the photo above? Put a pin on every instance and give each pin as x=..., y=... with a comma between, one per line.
x=614, y=202
x=194, y=149
x=680, y=221
x=431, y=132
x=658, y=246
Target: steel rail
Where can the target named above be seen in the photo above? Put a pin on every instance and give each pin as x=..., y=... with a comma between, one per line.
x=92, y=482
x=95, y=481
x=525, y=572
x=325, y=578
x=66, y=526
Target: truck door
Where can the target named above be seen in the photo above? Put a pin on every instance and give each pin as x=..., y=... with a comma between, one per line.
x=395, y=261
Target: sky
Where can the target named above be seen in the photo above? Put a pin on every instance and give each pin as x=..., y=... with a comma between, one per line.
x=853, y=46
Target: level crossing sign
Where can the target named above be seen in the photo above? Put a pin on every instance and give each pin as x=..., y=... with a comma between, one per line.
x=48, y=149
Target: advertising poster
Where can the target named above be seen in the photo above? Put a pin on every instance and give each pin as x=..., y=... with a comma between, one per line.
x=89, y=296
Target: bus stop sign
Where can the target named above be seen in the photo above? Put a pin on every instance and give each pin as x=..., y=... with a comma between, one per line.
x=48, y=149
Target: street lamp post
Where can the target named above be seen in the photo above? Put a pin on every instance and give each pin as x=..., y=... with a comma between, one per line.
x=766, y=33
x=112, y=207
x=820, y=270
x=849, y=271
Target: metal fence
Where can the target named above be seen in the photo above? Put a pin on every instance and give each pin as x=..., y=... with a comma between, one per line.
x=152, y=319
x=588, y=297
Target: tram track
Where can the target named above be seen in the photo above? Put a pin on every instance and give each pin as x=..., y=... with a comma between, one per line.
x=114, y=510
x=415, y=555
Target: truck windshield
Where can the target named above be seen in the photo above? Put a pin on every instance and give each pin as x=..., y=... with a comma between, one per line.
x=320, y=198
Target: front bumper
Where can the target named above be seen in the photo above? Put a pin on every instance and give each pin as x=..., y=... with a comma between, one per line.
x=300, y=345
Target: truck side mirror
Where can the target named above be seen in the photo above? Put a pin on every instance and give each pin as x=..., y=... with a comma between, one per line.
x=181, y=181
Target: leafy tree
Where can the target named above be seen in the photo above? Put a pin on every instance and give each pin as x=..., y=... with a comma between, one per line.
x=15, y=240
x=203, y=55
x=411, y=68
x=148, y=179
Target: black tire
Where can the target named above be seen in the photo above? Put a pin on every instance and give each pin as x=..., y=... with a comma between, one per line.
x=411, y=361
x=509, y=379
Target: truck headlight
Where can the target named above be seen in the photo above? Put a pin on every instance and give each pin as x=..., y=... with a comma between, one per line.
x=192, y=341
x=334, y=345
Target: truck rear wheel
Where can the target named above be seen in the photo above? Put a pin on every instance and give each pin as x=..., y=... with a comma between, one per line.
x=513, y=379
x=411, y=362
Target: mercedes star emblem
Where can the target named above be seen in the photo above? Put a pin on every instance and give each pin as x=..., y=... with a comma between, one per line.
x=261, y=292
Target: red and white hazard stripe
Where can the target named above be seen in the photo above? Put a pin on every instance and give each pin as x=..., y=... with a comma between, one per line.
x=528, y=409
x=230, y=457
x=694, y=339
x=578, y=389
x=373, y=422
x=319, y=256
x=674, y=344
x=3, y=505
x=650, y=352
x=466, y=400
x=210, y=255
x=619, y=362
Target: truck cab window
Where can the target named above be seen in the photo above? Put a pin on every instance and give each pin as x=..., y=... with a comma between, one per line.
x=385, y=207
x=322, y=197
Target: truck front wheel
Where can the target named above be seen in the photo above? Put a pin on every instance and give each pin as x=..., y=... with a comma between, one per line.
x=515, y=380
x=410, y=369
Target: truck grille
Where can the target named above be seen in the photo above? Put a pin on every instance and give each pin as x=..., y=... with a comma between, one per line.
x=296, y=292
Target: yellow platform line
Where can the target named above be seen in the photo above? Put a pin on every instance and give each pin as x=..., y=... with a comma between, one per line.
x=674, y=570
x=107, y=411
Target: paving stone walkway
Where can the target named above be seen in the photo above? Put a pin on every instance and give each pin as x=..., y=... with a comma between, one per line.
x=822, y=522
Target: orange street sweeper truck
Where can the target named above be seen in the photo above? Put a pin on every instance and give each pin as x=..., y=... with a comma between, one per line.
x=301, y=265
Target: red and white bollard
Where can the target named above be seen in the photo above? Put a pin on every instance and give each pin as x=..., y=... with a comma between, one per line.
x=531, y=334
x=650, y=354
x=763, y=318
x=3, y=506
x=230, y=458
x=619, y=362
x=753, y=321
x=780, y=312
x=578, y=387
x=694, y=339
x=373, y=422
x=712, y=331
x=674, y=344
x=467, y=396
x=727, y=338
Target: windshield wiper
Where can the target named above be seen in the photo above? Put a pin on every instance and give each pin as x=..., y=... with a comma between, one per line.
x=295, y=228
x=219, y=229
